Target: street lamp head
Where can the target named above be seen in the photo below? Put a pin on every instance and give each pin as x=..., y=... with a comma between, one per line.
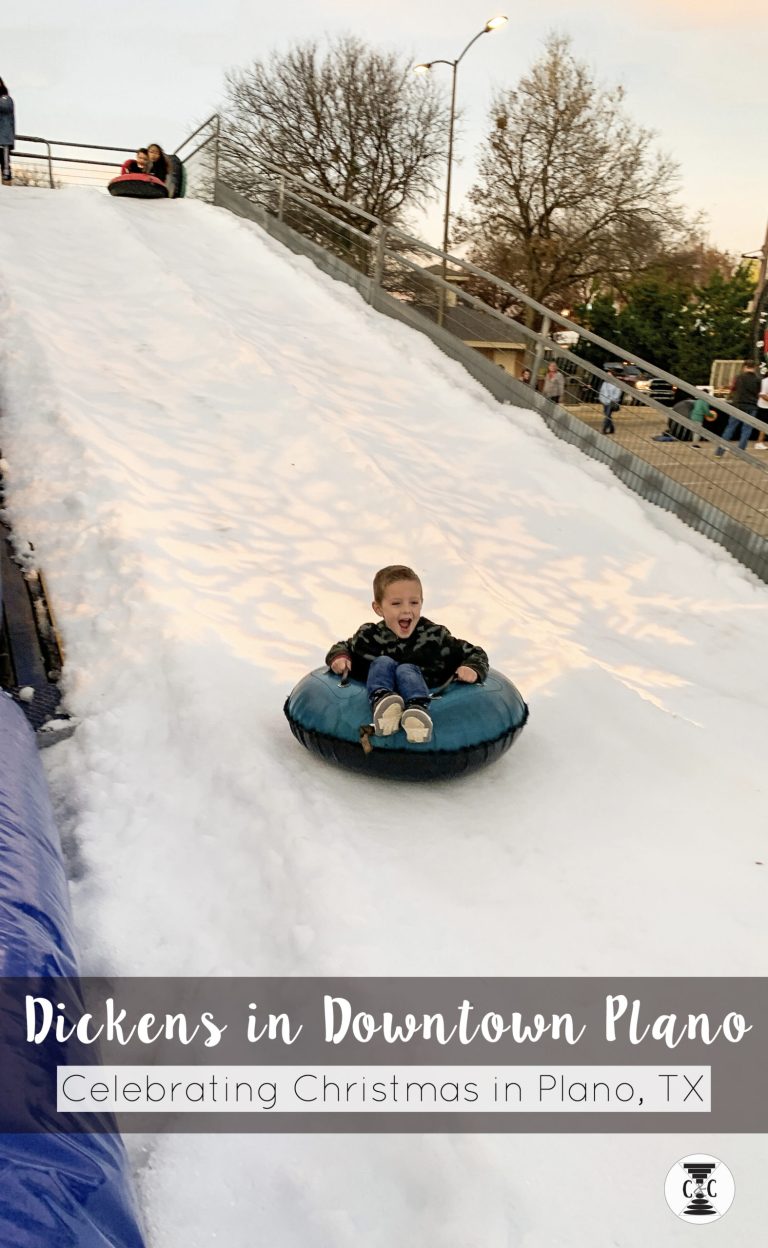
x=422, y=68
x=495, y=23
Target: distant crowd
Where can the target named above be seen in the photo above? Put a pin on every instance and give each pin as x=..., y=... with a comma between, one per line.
x=749, y=394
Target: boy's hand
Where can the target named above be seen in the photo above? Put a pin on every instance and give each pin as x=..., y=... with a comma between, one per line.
x=341, y=664
x=467, y=674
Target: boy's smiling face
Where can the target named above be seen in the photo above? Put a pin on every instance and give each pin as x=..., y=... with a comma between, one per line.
x=400, y=607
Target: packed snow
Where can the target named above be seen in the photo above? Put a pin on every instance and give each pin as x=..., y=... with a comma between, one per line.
x=212, y=447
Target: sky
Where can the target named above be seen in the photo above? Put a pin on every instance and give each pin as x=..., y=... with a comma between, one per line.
x=693, y=71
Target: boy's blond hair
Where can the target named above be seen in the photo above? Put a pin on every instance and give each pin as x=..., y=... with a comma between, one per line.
x=387, y=576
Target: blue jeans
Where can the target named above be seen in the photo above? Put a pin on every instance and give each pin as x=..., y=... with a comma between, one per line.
x=406, y=679
x=608, y=425
x=730, y=429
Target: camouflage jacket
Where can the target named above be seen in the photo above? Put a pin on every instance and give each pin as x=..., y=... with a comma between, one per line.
x=430, y=646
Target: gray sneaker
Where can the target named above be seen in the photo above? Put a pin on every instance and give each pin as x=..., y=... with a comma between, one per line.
x=387, y=711
x=417, y=724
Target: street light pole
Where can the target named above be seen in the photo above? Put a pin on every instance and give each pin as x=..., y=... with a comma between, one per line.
x=760, y=298
x=763, y=263
x=493, y=23
x=451, y=126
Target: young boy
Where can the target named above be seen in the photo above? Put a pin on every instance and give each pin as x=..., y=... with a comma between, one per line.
x=402, y=657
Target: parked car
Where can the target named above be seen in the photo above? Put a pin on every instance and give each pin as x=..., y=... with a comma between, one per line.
x=628, y=373
x=662, y=391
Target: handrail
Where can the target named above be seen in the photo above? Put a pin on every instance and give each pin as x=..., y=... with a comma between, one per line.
x=544, y=311
x=205, y=143
x=540, y=308
x=74, y=160
x=91, y=147
x=310, y=186
x=328, y=216
x=213, y=117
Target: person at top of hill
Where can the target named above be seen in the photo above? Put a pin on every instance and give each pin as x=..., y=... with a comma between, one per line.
x=401, y=657
x=158, y=162
x=138, y=165
x=7, y=132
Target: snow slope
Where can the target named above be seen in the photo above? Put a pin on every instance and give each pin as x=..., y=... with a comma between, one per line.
x=213, y=447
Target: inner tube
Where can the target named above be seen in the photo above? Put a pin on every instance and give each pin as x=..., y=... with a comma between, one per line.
x=177, y=178
x=138, y=186
x=473, y=726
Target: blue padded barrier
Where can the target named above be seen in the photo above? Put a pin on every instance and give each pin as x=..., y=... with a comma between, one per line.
x=57, y=1190
x=36, y=935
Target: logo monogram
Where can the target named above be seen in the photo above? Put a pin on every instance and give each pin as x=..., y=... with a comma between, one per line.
x=699, y=1189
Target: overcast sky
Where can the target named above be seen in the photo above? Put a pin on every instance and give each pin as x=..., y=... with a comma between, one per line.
x=149, y=70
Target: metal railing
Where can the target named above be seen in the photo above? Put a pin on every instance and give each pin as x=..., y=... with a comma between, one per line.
x=64, y=163
x=727, y=498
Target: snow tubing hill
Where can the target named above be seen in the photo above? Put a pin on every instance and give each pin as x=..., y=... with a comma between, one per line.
x=138, y=186
x=57, y=1188
x=473, y=725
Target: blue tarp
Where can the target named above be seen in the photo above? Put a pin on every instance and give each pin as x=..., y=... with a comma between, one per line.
x=57, y=1190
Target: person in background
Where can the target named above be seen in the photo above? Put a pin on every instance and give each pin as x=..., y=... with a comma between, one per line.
x=744, y=396
x=158, y=162
x=700, y=412
x=609, y=397
x=696, y=410
x=525, y=376
x=7, y=132
x=762, y=414
x=554, y=383
x=139, y=165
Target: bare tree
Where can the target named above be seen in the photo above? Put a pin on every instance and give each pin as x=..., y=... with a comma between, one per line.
x=352, y=121
x=571, y=196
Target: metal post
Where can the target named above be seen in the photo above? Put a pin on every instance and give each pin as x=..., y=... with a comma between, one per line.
x=50, y=164
x=763, y=263
x=216, y=145
x=546, y=325
x=378, y=264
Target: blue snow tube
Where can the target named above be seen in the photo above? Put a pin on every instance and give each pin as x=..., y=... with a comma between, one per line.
x=473, y=725
x=56, y=1189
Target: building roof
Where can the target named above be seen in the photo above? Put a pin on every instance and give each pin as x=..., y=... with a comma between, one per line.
x=453, y=272
x=477, y=327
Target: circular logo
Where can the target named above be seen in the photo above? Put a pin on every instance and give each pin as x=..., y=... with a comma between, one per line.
x=699, y=1188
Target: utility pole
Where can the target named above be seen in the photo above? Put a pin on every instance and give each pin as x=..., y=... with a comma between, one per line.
x=761, y=299
x=763, y=264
